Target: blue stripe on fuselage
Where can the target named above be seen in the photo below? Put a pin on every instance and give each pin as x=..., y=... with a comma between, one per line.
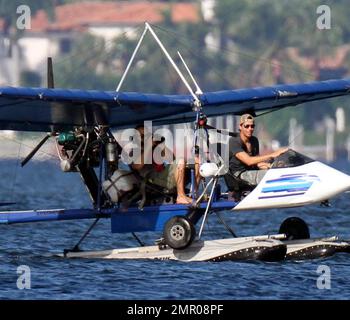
x=288, y=188
x=286, y=180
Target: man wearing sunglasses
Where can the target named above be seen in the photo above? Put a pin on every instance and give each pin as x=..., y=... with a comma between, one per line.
x=245, y=162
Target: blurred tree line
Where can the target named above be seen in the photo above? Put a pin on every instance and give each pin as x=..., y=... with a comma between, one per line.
x=248, y=43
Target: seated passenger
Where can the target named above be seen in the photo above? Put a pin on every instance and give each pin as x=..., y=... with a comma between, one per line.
x=170, y=176
x=245, y=162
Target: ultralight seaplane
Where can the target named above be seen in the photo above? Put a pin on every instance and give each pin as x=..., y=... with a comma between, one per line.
x=81, y=122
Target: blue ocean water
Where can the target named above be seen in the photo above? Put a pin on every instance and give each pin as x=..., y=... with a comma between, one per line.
x=43, y=185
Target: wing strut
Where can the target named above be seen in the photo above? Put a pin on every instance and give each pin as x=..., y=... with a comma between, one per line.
x=198, y=89
x=197, y=101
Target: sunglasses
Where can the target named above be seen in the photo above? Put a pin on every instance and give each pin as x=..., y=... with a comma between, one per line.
x=246, y=126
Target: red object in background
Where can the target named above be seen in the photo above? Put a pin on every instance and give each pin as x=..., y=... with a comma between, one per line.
x=202, y=122
x=158, y=167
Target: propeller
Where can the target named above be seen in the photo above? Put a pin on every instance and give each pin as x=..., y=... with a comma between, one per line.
x=50, y=84
x=35, y=150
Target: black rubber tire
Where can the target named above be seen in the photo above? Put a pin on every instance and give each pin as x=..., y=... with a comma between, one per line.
x=295, y=228
x=179, y=232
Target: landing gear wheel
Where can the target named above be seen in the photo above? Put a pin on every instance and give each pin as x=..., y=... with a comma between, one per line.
x=179, y=232
x=295, y=228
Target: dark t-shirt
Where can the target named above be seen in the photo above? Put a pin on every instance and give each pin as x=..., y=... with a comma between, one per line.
x=236, y=146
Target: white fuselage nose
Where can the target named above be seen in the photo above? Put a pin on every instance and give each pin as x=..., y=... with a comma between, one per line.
x=296, y=186
x=332, y=182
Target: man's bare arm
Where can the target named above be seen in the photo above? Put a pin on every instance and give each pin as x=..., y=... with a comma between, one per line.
x=264, y=165
x=255, y=160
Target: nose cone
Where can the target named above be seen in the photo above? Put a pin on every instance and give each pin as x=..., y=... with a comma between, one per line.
x=331, y=182
x=344, y=184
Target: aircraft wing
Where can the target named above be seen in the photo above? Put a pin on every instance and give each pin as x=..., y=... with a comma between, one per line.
x=43, y=109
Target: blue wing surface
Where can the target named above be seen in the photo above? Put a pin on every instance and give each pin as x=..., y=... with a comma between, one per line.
x=43, y=109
